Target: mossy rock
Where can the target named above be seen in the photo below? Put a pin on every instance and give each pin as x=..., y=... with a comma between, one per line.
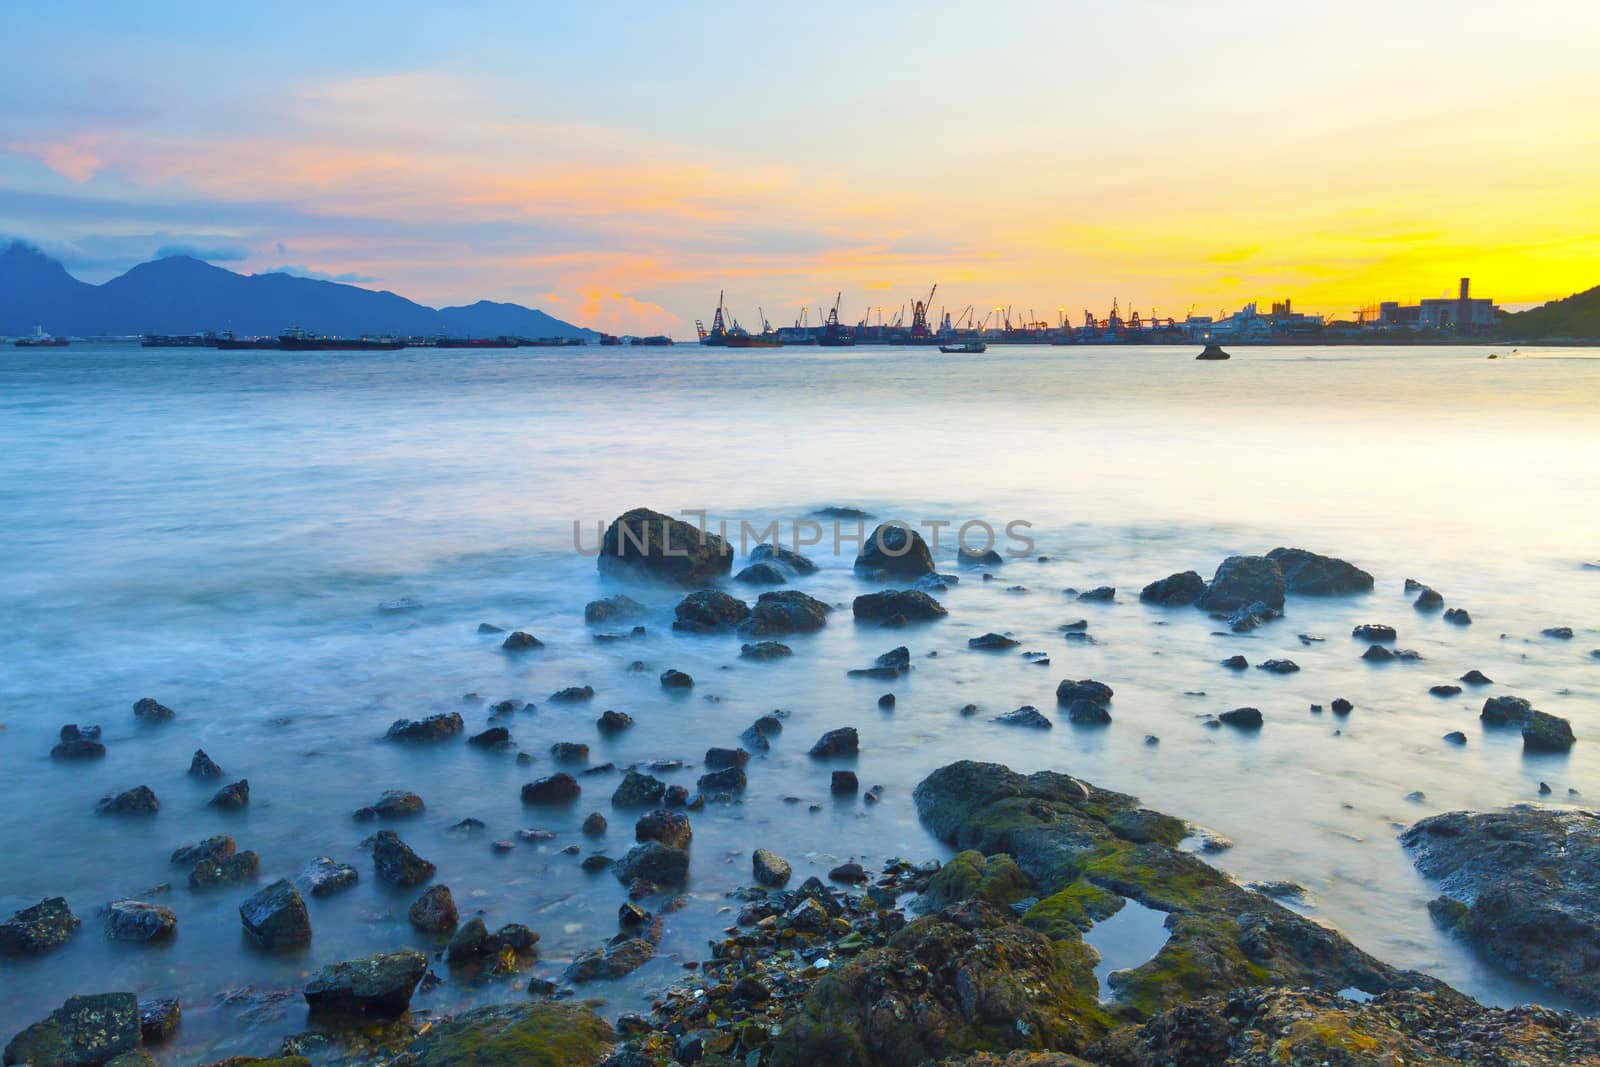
x=972, y=876
x=1067, y=913
x=528, y=1035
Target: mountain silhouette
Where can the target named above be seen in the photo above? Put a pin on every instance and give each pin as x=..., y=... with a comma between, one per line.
x=180, y=294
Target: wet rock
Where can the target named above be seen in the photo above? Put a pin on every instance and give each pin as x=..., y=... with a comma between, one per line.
x=1278, y=666
x=727, y=780
x=393, y=804
x=765, y=650
x=231, y=797
x=709, y=610
x=1476, y=677
x=1175, y=590
x=1458, y=616
x=38, y=929
x=521, y=641
x=434, y=912
x=396, y=863
x=569, y=752
x=895, y=550
x=1546, y=733
x=379, y=986
x=886, y=701
x=572, y=694
x=769, y=868
x=594, y=824
x=788, y=611
x=1519, y=886
x=86, y=1031
x=1377, y=654
x=1083, y=689
x=971, y=875
x=1241, y=581
x=559, y=788
x=787, y=558
x=159, y=1019
x=717, y=758
x=638, y=790
x=1309, y=574
x=992, y=642
x=655, y=863
x=1341, y=706
x=78, y=743
x=1445, y=690
x=470, y=943
x=493, y=737
x=670, y=828
x=323, y=877
x=1103, y=594
x=537, y=1034
x=646, y=543
x=1236, y=663
x=1374, y=631
x=276, y=918
x=134, y=920
x=844, y=783
x=1456, y=737
x=851, y=873
x=1244, y=718
x=676, y=679
x=613, y=609
x=1505, y=710
x=149, y=711
x=841, y=742
x=490, y=628
x=988, y=557
x=1088, y=713
x=614, y=722
x=762, y=574
x=897, y=606
x=214, y=862
x=1028, y=716
x=203, y=766
x=1560, y=633
x=139, y=800
x=440, y=727
x=1428, y=600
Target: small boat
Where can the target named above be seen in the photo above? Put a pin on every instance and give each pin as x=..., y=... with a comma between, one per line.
x=965, y=348
x=1213, y=351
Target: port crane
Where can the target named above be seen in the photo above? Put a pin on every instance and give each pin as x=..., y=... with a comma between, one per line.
x=919, y=316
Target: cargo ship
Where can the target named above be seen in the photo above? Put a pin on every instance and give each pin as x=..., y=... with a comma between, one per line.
x=40, y=339
x=656, y=340
x=474, y=342
x=179, y=340
x=295, y=339
x=226, y=340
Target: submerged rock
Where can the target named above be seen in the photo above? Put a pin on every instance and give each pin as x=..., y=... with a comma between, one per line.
x=614, y=722
x=572, y=694
x=534, y=1034
x=396, y=863
x=765, y=650
x=203, y=766
x=788, y=611
x=1083, y=689
x=1103, y=594
x=1523, y=887
x=159, y=1019
x=784, y=557
x=1505, y=710
x=646, y=543
x=707, y=611
x=434, y=728
x=38, y=929
x=434, y=912
x=638, y=790
x=1309, y=574
x=1374, y=631
x=1241, y=581
x=276, y=917
x=393, y=804
x=613, y=609
x=673, y=678
x=1088, y=713
x=992, y=642
x=380, y=985
x=324, y=877
x=78, y=743
x=86, y=1031
x=1458, y=616
x=897, y=550
x=559, y=788
x=150, y=711
x=1546, y=733
x=139, y=800
x=670, y=828
x=1428, y=600
x=891, y=664
x=1027, y=715
x=1175, y=590
x=727, y=780
x=769, y=868
x=1278, y=666
x=762, y=574
x=655, y=863
x=231, y=797
x=897, y=606
x=135, y=920
x=1244, y=718
x=841, y=742
x=521, y=641
x=1476, y=677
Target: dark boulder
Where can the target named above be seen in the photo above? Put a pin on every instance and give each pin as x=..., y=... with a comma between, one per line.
x=78, y=744
x=159, y=1019
x=1521, y=886
x=86, y=1031
x=1546, y=733
x=1445, y=690
x=1278, y=666
x=1084, y=689
x=638, y=790
x=709, y=610
x=139, y=800
x=769, y=868
x=1428, y=600
x=1476, y=677
x=670, y=828
x=841, y=742
x=727, y=780
x=231, y=797
x=134, y=920
x=1374, y=631
x=379, y=986
x=1310, y=574
x=1175, y=590
x=897, y=606
x=1341, y=706
x=1102, y=594
x=324, y=877
x=1241, y=581
x=559, y=788
x=762, y=574
x=1236, y=663
x=655, y=863
x=613, y=609
x=569, y=752
x=765, y=650
x=434, y=728
x=1505, y=711
x=393, y=804
x=1027, y=715
x=1088, y=713
x=150, y=711
x=1244, y=718
x=38, y=929
x=1377, y=654
x=672, y=678
x=787, y=611
x=521, y=641
x=1458, y=616
x=844, y=783
x=717, y=758
x=992, y=642
x=572, y=694
x=434, y=912
x=203, y=766
x=645, y=543
x=613, y=722
x=896, y=550
x=784, y=557
x=987, y=557
x=276, y=918
x=471, y=942
x=891, y=664
x=493, y=737
x=396, y=863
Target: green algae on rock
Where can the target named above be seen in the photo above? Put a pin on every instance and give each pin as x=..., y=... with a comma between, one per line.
x=527, y=1035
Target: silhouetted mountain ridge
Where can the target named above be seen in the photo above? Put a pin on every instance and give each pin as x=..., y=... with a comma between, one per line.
x=1575, y=316
x=180, y=294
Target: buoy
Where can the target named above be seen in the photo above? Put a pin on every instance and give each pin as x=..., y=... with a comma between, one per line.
x=1213, y=351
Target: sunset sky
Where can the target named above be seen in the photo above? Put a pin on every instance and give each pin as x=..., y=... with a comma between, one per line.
x=618, y=164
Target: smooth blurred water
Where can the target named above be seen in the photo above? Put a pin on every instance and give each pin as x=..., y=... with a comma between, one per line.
x=218, y=530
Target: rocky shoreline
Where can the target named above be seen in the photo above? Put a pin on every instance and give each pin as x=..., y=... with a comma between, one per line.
x=980, y=960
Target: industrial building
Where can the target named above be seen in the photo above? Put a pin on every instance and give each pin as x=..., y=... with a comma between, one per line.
x=1462, y=313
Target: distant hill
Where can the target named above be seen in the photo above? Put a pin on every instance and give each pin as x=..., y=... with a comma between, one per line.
x=1577, y=316
x=180, y=294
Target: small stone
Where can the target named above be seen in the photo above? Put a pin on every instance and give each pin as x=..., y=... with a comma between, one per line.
x=594, y=824
x=572, y=694
x=559, y=788
x=139, y=800
x=1278, y=666
x=1341, y=706
x=203, y=766
x=569, y=752
x=134, y=920
x=1243, y=718
x=849, y=873
x=323, y=877
x=612, y=722
x=1456, y=737
x=396, y=863
x=493, y=737
x=769, y=868
x=841, y=742
x=232, y=797
x=159, y=1019
x=1028, y=716
x=886, y=701
x=1236, y=663
x=676, y=679
x=844, y=783
x=518, y=641
x=1476, y=677
x=434, y=912
x=1457, y=616
x=149, y=711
